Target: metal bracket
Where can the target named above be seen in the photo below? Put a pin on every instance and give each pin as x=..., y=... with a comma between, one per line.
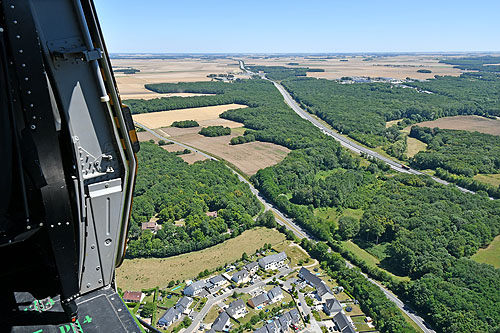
x=72, y=49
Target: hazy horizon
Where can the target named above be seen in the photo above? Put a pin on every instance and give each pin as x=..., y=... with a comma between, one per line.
x=357, y=26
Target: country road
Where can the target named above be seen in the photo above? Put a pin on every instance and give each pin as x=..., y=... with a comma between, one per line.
x=345, y=142
x=297, y=230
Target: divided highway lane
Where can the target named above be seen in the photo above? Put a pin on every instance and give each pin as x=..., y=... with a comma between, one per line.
x=347, y=143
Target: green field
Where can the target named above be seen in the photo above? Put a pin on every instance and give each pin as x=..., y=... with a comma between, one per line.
x=490, y=179
x=332, y=215
x=489, y=255
x=369, y=259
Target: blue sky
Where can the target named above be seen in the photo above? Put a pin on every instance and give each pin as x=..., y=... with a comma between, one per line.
x=309, y=26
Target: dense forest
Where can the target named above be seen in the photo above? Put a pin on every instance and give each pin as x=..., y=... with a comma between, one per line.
x=459, y=152
x=418, y=228
x=362, y=110
x=482, y=64
x=180, y=195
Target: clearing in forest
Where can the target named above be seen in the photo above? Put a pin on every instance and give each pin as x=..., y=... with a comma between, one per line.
x=489, y=255
x=466, y=123
x=414, y=146
x=205, y=116
x=137, y=274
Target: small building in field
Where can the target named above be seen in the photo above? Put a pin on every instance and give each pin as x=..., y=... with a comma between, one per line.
x=133, y=296
x=273, y=262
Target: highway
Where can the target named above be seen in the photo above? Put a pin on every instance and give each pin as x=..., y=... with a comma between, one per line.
x=296, y=229
x=345, y=142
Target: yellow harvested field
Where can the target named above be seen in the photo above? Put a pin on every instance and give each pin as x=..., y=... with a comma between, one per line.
x=168, y=70
x=137, y=274
x=398, y=67
x=248, y=157
x=152, y=94
x=414, y=146
x=208, y=113
x=466, y=123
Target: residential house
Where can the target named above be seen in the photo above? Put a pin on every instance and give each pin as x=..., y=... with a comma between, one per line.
x=349, y=329
x=332, y=306
x=260, y=301
x=169, y=317
x=183, y=304
x=133, y=297
x=152, y=226
x=282, y=324
x=215, y=283
x=222, y=323
x=241, y=276
x=217, y=280
x=274, y=261
x=341, y=322
x=194, y=288
x=275, y=295
x=237, y=309
x=252, y=268
x=323, y=291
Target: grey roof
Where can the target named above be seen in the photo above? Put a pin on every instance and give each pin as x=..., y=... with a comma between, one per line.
x=238, y=276
x=333, y=305
x=272, y=327
x=251, y=265
x=309, y=277
x=341, y=320
x=285, y=320
x=169, y=316
x=220, y=322
x=260, y=299
x=263, y=329
x=184, y=302
x=295, y=316
x=217, y=279
x=272, y=258
x=315, y=281
x=348, y=329
x=234, y=307
x=322, y=289
x=275, y=292
x=195, y=286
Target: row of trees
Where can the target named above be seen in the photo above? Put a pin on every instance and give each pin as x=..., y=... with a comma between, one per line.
x=212, y=131
x=185, y=123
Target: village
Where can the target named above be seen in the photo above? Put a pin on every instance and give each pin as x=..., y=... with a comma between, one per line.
x=267, y=292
